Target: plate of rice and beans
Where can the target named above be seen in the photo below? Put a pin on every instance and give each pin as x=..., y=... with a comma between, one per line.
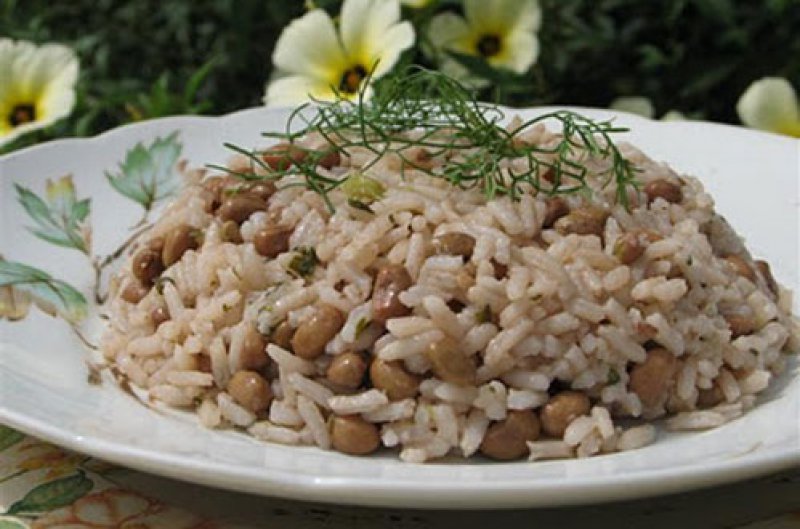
x=530, y=302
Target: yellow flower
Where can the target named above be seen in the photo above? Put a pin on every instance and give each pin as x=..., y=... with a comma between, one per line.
x=314, y=60
x=37, y=86
x=501, y=31
x=771, y=104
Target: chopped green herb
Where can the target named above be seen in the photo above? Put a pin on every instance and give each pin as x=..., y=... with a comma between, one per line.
x=361, y=326
x=613, y=377
x=362, y=189
x=159, y=284
x=304, y=262
x=485, y=315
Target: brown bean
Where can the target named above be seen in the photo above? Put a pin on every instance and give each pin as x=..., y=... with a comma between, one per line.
x=664, y=189
x=766, y=273
x=229, y=231
x=561, y=410
x=499, y=270
x=741, y=267
x=555, y=208
x=282, y=335
x=393, y=379
x=390, y=281
x=449, y=363
x=707, y=398
x=159, y=315
x=587, y=220
x=280, y=157
x=249, y=389
x=631, y=245
x=351, y=434
x=313, y=335
x=651, y=379
x=330, y=159
x=423, y=159
x=240, y=206
x=156, y=244
x=254, y=349
x=454, y=243
x=740, y=324
x=147, y=266
x=507, y=439
x=272, y=240
x=203, y=363
x=134, y=291
x=179, y=241
x=347, y=370
x=263, y=190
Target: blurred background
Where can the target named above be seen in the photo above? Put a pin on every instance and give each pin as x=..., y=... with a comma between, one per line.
x=151, y=58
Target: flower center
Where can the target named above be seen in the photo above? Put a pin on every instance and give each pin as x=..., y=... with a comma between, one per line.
x=489, y=45
x=21, y=114
x=351, y=79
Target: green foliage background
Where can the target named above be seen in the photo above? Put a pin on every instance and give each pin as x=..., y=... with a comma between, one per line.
x=149, y=58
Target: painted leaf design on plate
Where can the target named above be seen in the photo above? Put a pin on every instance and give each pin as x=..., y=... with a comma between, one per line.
x=53, y=296
x=8, y=522
x=53, y=494
x=60, y=217
x=9, y=437
x=148, y=173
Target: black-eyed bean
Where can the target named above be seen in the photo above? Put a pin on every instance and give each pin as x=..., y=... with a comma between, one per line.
x=651, y=379
x=507, y=439
x=351, y=434
x=251, y=390
x=561, y=410
x=390, y=282
x=313, y=335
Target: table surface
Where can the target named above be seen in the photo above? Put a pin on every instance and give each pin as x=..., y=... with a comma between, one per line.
x=44, y=486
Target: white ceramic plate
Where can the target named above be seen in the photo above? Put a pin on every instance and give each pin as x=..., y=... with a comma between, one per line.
x=43, y=376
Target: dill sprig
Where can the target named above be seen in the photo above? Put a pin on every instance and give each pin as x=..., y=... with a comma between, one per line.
x=427, y=109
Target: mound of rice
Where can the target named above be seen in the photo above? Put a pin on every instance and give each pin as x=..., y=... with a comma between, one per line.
x=437, y=322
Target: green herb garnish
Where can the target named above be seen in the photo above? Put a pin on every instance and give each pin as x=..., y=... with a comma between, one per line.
x=613, y=377
x=485, y=315
x=159, y=284
x=361, y=326
x=304, y=261
x=447, y=120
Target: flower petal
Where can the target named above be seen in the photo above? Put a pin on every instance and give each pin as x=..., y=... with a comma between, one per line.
x=770, y=104
x=501, y=17
x=450, y=31
x=371, y=33
x=638, y=105
x=35, y=69
x=309, y=46
x=43, y=77
x=519, y=51
x=398, y=39
x=297, y=89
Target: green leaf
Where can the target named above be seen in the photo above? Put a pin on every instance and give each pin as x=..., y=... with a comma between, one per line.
x=50, y=295
x=9, y=437
x=53, y=494
x=59, y=219
x=147, y=174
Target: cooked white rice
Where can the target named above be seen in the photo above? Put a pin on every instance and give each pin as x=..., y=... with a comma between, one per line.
x=484, y=335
